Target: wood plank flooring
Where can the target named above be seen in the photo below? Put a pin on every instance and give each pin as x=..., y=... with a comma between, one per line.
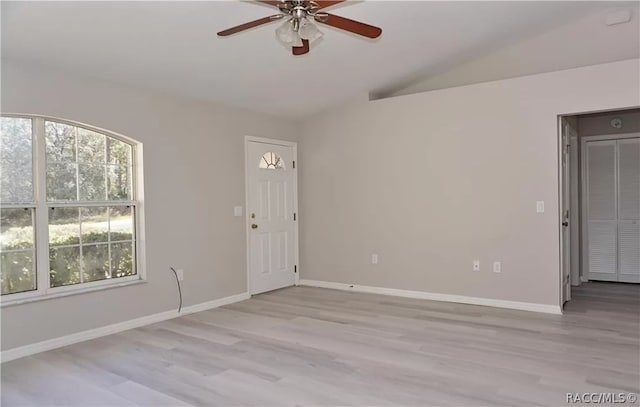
x=319, y=347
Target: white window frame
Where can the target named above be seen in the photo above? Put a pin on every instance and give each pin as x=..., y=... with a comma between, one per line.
x=41, y=223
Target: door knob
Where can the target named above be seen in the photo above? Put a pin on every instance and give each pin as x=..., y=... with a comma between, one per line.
x=565, y=223
x=254, y=226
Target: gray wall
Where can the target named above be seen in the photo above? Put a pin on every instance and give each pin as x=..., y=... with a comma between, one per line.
x=432, y=181
x=194, y=175
x=428, y=181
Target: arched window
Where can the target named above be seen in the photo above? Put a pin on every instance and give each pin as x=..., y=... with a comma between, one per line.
x=69, y=214
x=271, y=161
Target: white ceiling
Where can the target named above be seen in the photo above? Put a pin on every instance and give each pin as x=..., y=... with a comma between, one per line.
x=585, y=41
x=172, y=46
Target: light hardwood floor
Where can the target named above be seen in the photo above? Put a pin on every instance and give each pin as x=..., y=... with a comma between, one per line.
x=313, y=346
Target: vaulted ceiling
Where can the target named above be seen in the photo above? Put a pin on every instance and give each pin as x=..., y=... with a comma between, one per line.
x=172, y=46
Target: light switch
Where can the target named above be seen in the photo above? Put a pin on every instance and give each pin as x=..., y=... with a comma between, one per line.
x=237, y=211
x=540, y=206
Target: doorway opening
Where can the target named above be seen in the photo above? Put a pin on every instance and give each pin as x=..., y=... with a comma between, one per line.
x=600, y=203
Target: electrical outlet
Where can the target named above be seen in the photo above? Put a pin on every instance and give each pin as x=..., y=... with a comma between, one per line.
x=180, y=273
x=374, y=258
x=476, y=265
x=497, y=267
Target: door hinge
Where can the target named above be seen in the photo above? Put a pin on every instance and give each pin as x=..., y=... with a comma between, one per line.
x=294, y=164
x=295, y=269
x=294, y=216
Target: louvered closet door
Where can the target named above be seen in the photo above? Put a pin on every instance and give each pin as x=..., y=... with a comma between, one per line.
x=602, y=222
x=629, y=210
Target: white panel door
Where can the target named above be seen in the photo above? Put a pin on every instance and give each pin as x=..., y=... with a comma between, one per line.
x=602, y=222
x=270, y=200
x=629, y=210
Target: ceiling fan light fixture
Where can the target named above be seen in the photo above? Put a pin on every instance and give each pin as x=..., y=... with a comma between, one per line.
x=309, y=31
x=287, y=36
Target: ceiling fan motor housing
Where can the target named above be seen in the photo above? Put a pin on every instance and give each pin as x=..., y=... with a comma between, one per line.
x=301, y=9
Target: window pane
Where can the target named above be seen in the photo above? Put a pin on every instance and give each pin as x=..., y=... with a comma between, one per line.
x=64, y=226
x=16, y=229
x=16, y=160
x=271, y=161
x=121, y=223
x=85, y=243
x=95, y=225
x=122, y=263
x=118, y=152
x=17, y=272
x=119, y=183
x=91, y=182
x=61, y=142
x=95, y=262
x=61, y=182
x=64, y=266
x=91, y=147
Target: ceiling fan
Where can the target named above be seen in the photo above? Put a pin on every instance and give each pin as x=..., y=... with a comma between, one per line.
x=298, y=30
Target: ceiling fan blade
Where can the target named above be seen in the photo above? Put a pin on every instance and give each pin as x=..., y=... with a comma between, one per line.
x=250, y=24
x=274, y=3
x=301, y=50
x=353, y=26
x=325, y=4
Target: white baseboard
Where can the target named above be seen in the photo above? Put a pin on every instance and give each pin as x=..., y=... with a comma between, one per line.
x=523, y=306
x=27, y=350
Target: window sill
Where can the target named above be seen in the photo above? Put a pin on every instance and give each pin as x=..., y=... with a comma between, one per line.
x=11, y=303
